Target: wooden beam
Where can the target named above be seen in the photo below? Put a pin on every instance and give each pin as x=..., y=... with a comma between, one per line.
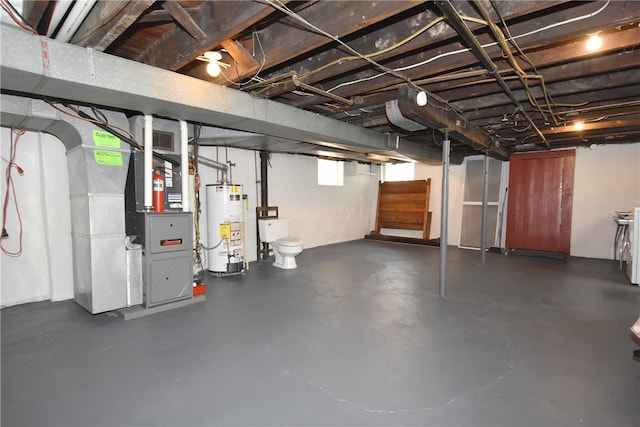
x=159, y=16
x=615, y=14
x=618, y=125
x=220, y=20
x=184, y=19
x=107, y=21
x=287, y=38
x=33, y=11
x=392, y=34
x=580, y=87
x=245, y=63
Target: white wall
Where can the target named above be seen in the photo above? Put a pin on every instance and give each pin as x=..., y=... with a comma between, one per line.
x=456, y=187
x=320, y=215
x=607, y=179
x=44, y=269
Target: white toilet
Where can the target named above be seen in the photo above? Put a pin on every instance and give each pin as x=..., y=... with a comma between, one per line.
x=285, y=249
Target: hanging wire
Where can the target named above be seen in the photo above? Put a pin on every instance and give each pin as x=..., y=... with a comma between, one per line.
x=10, y=186
x=17, y=18
x=284, y=9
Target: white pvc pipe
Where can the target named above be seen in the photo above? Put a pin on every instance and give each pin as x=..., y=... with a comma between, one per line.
x=148, y=162
x=75, y=18
x=58, y=13
x=184, y=166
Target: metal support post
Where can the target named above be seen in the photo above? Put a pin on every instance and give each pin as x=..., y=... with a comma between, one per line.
x=485, y=196
x=444, y=215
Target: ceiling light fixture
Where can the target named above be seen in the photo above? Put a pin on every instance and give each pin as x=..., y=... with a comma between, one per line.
x=594, y=43
x=421, y=98
x=578, y=126
x=215, y=62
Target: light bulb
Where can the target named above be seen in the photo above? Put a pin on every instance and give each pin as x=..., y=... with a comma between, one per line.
x=421, y=98
x=594, y=43
x=213, y=69
x=578, y=126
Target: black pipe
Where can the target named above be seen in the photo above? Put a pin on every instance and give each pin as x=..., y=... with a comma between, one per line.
x=263, y=248
x=264, y=187
x=454, y=20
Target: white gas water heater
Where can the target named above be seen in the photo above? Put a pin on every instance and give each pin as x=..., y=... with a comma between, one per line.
x=225, y=228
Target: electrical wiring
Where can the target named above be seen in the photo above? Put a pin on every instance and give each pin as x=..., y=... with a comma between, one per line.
x=511, y=39
x=255, y=77
x=520, y=73
x=282, y=8
x=17, y=18
x=10, y=186
x=14, y=165
x=374, y=54
x=105, y=125
x=463, y=50
x=88, y=119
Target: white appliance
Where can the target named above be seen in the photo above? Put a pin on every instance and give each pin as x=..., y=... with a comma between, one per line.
x=225, y=228
x=633, y=265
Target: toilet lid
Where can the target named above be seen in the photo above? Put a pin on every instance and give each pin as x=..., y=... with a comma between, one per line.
x=289, y=241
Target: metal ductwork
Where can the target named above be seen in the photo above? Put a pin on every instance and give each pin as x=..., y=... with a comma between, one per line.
x=39, y=66
x=98, y=166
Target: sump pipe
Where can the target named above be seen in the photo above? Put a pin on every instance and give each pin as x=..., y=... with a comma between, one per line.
x=453, y=18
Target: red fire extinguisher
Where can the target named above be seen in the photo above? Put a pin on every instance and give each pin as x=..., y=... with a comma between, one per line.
x=158, y=192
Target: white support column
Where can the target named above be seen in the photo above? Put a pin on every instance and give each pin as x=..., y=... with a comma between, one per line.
x=184, y=166
x=148, y=162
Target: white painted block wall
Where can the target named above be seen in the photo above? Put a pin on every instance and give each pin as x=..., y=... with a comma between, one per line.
x=607, y=179
x=320, y=215
x=44, y=269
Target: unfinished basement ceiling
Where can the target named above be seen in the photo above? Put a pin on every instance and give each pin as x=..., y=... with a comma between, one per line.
x=515, y=75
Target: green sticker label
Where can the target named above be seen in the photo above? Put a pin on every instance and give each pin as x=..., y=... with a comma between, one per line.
x=105, y=139
x=111, y=158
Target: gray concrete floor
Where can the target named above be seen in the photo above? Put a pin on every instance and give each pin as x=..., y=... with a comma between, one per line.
x=357, y=335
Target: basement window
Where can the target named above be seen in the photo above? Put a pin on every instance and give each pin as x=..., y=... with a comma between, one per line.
x=398, y=172
x=330, y=172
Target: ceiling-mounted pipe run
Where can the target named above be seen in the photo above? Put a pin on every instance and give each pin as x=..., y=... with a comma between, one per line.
x=454, y=20
x=60, y=9
x=76, y=17
x=313, y=89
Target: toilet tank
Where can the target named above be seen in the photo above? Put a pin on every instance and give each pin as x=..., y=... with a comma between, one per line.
x=273, y=229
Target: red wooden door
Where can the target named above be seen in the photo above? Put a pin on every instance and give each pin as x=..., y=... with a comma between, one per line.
x=540, y=200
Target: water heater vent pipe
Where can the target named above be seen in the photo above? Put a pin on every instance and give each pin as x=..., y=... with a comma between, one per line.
x=216, y=165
